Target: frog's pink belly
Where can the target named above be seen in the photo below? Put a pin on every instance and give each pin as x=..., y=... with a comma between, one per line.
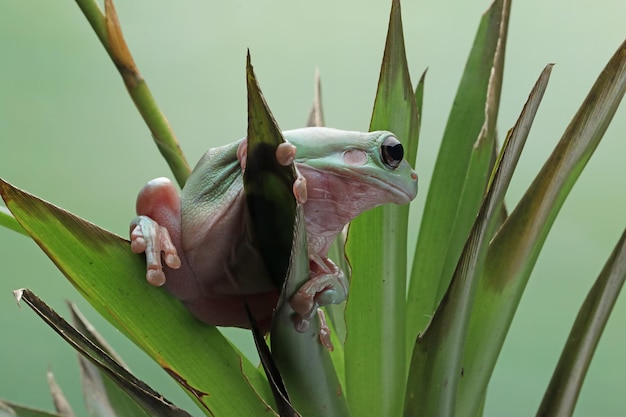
x=224, y=271
x=230, y=310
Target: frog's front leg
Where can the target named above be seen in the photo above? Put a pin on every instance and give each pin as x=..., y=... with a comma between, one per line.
x=157, y=227
x=326, y=285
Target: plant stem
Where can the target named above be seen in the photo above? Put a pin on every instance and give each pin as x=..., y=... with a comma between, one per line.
x=107, y=28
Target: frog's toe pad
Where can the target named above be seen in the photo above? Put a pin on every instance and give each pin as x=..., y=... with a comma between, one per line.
x=300, y=323
x=137, y=242
x=299, y=189
x=285, y=153
x=155, y=277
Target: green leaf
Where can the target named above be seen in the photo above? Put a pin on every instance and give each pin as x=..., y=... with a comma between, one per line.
x=104, y=270
x=419, y=99
x=304, y=363
x=151, y=403
x=562, y=393
x=7, y=220
x=268, y=185
x=274, y=378
x=8, y=409
x=462, y=169
x=375, y=359
x=515, y=248
x=437, y=358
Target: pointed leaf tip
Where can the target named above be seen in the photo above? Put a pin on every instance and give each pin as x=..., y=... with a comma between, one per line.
x=61, y=404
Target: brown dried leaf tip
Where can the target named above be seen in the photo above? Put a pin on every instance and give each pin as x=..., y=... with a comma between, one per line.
x=117, y=45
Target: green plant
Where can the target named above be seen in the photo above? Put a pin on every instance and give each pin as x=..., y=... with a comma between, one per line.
x=386, y=359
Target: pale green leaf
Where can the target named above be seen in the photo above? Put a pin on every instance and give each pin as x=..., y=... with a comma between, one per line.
x=515, y=248
x=7, y=220
x=436, y=365
x=461, y=169
x=375, y=358
x=562, y=393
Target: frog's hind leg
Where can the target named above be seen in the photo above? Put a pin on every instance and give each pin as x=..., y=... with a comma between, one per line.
x=156, y=229
x=326, y=285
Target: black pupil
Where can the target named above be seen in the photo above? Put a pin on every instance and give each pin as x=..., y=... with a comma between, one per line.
x=393, y=152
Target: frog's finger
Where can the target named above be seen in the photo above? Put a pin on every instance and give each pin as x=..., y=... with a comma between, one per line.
x=285, y=153
x=242, y=153
x=299, y=188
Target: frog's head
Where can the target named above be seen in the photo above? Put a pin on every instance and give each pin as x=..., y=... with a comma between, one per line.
x=371, y=163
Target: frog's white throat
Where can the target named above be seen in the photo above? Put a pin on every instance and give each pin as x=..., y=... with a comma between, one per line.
x=333, y=200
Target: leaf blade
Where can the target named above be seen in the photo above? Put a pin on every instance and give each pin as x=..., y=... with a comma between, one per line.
x=375, y=359
x=7, y=220
x=8, y=409
x=198, y=355
x=562, y=393
x=149, y=401
x=436, y=365
x=515, y=248
x=446, y=221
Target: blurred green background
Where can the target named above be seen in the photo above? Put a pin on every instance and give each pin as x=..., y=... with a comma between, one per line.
x=70, y=134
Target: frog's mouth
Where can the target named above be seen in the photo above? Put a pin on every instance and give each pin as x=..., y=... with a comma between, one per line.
x=357, y=189
x=400, y=195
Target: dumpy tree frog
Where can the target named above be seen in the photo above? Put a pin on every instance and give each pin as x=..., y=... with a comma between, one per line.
x=203, y=238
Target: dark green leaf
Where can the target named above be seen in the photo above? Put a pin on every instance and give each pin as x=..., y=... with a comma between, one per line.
x=274, y=378
x=268, y=185
x=150, y=401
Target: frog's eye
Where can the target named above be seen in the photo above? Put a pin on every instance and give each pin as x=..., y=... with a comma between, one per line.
x=392, y=152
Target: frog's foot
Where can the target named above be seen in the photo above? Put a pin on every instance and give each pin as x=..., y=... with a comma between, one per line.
x=148, y=236
x=327, y=285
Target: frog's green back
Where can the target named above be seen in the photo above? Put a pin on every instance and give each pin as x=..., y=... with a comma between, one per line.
x=215, y=180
